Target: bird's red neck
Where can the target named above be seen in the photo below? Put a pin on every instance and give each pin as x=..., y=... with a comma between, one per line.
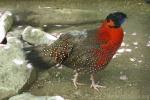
x=109, y=39
x=107, y=34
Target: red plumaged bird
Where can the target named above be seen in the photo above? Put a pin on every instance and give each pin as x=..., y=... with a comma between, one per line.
x=89, y=54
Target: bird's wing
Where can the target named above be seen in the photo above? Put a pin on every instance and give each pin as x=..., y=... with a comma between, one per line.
x=81, y=59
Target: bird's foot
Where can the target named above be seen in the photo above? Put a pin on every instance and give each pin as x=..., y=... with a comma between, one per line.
x=75, y=83
x=96, y=86
x=74, y=80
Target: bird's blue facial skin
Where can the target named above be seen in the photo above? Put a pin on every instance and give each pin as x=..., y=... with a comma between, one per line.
x=122, y=21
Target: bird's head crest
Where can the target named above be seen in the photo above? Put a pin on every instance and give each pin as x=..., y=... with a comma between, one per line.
x=118, y=18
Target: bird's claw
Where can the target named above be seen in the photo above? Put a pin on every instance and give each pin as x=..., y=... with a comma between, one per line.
x=76, y=83
x=96, y=86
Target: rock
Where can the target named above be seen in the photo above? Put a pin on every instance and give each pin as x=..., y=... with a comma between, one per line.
x=6, y=21
x=16, y=31
x=14, y=72
x=28, y=96
x=36, y=36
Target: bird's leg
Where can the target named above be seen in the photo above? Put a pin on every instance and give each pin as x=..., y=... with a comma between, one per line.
x=75, y=80
x=94, y=85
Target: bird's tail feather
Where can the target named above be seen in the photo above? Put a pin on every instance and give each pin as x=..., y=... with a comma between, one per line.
x=34, y=56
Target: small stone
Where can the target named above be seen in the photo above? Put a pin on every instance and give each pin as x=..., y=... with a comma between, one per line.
x=18, y=61
x=123, y=77
x=122, y=44
x=132, y=59
x=29, y=65
x=140, y=61
x=128, y=50
x=134, y=34
x=135, y=43
x=121, y=50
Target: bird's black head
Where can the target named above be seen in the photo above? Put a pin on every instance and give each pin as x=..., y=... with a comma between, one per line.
x=117, y=17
